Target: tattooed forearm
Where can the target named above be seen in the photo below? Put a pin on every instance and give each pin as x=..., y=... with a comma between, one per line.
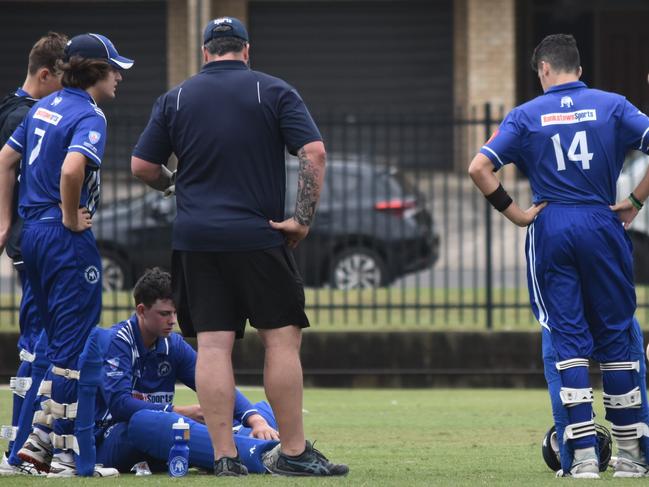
x=309, y=181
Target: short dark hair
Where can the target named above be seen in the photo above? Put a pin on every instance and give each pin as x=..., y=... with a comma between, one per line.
x=46, y=52
x=154, y=284
x=224, y=45
x=558, y=50
x=83, y=73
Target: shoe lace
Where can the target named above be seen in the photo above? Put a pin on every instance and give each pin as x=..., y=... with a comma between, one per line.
x=318, y=453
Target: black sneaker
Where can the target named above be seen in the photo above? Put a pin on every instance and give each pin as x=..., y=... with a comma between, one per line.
x=310, y=463
x=229, y=467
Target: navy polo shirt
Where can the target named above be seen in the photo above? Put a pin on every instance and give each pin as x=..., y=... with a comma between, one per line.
x=229, y=127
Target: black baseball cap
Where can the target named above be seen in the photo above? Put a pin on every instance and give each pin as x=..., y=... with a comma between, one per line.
x=224, y=27
x=96, y=46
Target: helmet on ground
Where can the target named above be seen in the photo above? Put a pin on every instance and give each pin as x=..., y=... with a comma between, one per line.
x=550, y=448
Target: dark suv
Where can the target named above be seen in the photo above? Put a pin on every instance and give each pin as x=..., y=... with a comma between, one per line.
x=371, y=228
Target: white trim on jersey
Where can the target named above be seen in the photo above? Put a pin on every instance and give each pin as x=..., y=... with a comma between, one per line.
x=258, y=94
x=536, y=290
x=99, y=112
x=16, y=142
x=642, y=138
x=94, y=156
x=178, y=99
x=496, y=155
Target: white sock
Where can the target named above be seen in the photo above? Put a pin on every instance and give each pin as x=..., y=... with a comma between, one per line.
x=630, y=449
x=582, y=454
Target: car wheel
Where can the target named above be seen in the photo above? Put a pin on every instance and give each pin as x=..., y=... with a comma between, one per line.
x=117, y=275
x=640, y=257
x=358, y=268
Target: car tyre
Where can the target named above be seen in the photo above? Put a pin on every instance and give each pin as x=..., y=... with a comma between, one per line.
x=358, y=268
x=116, y=272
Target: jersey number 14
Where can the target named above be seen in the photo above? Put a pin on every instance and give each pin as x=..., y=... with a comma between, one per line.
x=579, y=143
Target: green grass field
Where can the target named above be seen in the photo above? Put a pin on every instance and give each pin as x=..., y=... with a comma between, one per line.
x=402, y=438
x=377, y=309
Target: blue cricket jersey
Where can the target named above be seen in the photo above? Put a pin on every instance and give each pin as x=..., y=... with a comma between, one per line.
x=136, y=378
x=570, y=142
x=65, y=121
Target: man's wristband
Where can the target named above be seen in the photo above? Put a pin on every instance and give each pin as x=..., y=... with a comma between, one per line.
x=637, y=204
x=499, y=199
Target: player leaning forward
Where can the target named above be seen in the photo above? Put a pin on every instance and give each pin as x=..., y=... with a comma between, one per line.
x=571, y=142
x=61, y=142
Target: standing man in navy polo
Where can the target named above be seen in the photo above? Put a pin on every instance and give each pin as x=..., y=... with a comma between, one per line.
x=229, y=126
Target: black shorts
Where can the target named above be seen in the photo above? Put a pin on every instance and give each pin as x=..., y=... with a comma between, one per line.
x=219, y=291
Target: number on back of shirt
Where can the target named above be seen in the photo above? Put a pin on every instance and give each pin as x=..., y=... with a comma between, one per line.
x=577, y=152
x=36, y=150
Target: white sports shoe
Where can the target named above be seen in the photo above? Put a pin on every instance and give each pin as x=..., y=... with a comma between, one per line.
x=36, y=452
x=23, y=469
x=60, y=468
x=586, y=469
x=625, y=468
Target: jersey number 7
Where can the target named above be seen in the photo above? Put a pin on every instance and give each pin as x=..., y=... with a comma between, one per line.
x=36, y=150
x=579, y=142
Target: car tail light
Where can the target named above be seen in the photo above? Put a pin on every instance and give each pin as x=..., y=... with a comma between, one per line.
x=396, y=206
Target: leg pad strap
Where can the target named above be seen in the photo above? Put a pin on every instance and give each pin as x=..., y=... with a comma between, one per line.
x=45, y=389
x=25, y=356
x=629, y=431
x=572, y=397
x=20, y=385
x=631, y=399
x=8, y=432
x=570, y=363
x=616, y=366
x=60, y=410
x=579, y=430
x=65, y=442
x=67, y=373
x=43, y=418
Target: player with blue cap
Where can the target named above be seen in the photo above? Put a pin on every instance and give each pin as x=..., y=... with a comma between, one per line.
x=61, y=143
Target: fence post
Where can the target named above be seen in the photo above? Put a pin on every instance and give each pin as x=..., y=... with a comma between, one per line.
x=488, y=234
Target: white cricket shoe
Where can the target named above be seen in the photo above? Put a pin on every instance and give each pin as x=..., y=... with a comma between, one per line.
x=59, y=469
x=626, y=468
x=23, y=469
x=36, y=452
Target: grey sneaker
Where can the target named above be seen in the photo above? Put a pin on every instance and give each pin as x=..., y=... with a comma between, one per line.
x=310, y=462
x=36, y=452
x=229, y=467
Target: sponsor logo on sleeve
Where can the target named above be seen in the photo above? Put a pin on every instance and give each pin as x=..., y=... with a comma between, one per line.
x=588, y=115
x=47, y=116
x=94, y=136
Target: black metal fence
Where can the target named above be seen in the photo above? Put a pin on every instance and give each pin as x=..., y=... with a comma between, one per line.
x=402, y=239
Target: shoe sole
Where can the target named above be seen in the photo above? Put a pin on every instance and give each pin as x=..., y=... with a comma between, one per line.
x=585, y=475
x=40, y=466
x=628, y=475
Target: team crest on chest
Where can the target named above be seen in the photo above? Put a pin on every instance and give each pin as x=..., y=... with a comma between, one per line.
x=164, y=369
x=91, y=274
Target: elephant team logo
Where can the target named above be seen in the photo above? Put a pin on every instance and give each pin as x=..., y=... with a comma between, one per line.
x=178, y=466
x=566, y=101
x=91, y=274
x=164, y=369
